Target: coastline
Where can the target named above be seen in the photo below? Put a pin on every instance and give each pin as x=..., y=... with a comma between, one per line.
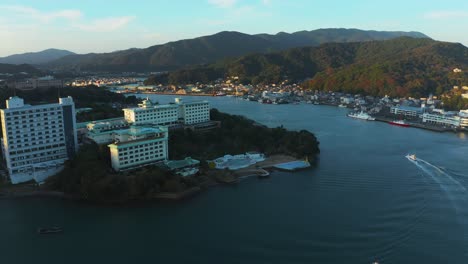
x=217, y=177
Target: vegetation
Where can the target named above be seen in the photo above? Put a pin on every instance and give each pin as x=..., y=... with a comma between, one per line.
x=89, y=176
x=396, y=67
x=208, y=49
x=238, y=135
x=105, y=104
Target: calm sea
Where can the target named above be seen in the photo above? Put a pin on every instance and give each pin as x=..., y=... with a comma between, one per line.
x=364, y=202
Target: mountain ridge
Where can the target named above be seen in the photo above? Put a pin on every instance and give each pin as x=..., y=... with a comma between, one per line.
x=208, y=49
x=398, y=67
x=35, y=58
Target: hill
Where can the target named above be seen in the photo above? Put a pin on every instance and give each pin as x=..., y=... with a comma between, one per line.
x=399, y=67
x=208, y=49
x=17, y=69
x=36, y=57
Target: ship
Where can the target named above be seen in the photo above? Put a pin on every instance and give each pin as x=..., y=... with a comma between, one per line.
x=49, y=230
x=361, y=115
x=411, y=157
x=401, y=123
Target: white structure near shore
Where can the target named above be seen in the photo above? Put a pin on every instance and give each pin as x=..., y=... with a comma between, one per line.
x=238, y=161
x=169, y=114
x=38, y=139
x=138, y=146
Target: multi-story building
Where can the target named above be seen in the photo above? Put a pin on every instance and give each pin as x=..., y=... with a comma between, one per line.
x=168, y=114
x=37, y=139
x=463, y=114
x=138, y=146
x=194, y=112
x=149, y=113
x=407, y=111
x=441, y=119
x=102, y=131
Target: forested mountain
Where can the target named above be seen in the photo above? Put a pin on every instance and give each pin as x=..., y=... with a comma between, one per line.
x=16, y=69
x=403, y=66
x=208, y=49
x=36, y=57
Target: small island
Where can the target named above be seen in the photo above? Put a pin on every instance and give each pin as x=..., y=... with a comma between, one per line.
x=89, y=175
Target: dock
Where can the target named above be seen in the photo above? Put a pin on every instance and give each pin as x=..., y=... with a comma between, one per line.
x=293, y=165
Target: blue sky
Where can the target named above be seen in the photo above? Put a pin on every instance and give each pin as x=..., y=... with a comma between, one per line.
x=86, y=26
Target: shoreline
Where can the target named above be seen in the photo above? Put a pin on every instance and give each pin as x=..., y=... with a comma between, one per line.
x=218, y=177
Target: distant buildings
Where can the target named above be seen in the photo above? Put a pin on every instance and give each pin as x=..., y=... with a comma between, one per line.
x=38, y=139
x=408, y=111
x=37, y=83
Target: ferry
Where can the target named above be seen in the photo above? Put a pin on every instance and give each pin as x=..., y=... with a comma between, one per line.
x=411, y=157
x=49, y=230
x=361, y=115
x=401, y=123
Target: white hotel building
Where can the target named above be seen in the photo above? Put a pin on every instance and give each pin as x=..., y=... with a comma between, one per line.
x=138, y=147
x=37, y=140
x=168, y=114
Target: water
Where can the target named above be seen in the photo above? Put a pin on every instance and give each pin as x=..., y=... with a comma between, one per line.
x=364, y=202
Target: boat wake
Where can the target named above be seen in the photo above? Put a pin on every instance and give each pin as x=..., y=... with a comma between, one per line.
x=455, y=191
x=449, y=185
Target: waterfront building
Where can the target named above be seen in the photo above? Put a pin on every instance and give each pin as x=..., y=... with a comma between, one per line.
x=463, y=114
x=409, y=111
x=441, y=119
x=138, y=146
x=37, y=140
x=169, y=114
x=185, y=167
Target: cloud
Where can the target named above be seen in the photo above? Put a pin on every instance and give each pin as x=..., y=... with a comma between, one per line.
x=446, y=15
x=44, y=17
x=223, y=3
x=266, y=2
x=105, y=24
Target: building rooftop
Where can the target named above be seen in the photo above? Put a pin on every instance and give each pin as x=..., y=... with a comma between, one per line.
x=180, y=164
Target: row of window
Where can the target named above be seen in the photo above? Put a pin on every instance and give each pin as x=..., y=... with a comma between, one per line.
x=146, y=154
x=32, y=149
x=39, y=160
x=36, y=110
x=141, y=159
x=41, y=154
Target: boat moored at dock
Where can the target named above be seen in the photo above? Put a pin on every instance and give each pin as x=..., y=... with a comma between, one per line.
x=361, y=115
x=401, y=123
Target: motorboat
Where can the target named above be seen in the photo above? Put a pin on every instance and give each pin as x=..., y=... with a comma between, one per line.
x=411, y=157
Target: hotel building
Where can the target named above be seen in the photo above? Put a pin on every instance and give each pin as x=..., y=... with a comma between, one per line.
x=138, y=147
x=168, y=114
x=37, y=140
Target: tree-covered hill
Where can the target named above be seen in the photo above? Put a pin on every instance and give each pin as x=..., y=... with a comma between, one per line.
x=398, y=67
x=208, y=49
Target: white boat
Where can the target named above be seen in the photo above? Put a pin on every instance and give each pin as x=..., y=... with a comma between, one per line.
x=361, y=115
x=411, y=157
x=342, y=105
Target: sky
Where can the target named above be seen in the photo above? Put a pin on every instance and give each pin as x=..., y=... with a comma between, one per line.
x=85, y=26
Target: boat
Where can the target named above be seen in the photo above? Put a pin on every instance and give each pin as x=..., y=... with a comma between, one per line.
x=49, y=230
x=401, y=123
x=411, y=157
x=361, y=115
x=342, y=105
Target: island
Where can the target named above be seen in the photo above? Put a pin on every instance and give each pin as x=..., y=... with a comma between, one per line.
x=89, y=175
